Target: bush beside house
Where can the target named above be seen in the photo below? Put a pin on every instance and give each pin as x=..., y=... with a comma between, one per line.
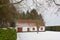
x=8, y=34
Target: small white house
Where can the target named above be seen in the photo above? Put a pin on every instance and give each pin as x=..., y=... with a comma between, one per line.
x=30, y=25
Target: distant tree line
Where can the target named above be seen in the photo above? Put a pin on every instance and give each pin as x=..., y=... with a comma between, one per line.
x=32, y=15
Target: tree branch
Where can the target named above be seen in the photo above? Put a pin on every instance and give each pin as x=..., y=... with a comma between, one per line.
x=56, y=3
x=17, y=2
x=8, y=4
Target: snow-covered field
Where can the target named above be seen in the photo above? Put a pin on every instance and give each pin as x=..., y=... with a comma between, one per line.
x=48, y=35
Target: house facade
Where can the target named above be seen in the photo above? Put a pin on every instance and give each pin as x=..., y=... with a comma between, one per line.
x=30, y=26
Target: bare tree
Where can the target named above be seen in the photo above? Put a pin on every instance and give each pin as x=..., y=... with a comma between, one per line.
x=8, y=12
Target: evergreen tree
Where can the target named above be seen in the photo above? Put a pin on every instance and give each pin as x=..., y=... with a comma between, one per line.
x=34, y=14
x=28, y=15
x=23, y=16
x=40, y=17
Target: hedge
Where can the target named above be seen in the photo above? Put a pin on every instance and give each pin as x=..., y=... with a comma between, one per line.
x=9, y=34
x=52, y=28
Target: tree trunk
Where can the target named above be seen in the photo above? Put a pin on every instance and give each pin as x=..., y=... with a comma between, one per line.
x=4, y=23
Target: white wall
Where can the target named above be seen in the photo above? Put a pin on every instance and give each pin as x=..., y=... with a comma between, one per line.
x=30, y=26
x=42, y=27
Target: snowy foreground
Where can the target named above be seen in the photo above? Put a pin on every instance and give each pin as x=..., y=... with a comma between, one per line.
x=48, y=35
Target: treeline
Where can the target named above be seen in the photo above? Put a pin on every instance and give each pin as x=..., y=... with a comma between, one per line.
x=32, y=15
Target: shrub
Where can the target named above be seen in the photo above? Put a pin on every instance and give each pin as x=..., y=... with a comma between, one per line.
x=9, y=34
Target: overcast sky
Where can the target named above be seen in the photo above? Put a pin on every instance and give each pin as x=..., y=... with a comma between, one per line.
x=49, y=11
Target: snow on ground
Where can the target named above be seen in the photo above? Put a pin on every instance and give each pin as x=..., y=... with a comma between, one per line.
x=48, y=35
